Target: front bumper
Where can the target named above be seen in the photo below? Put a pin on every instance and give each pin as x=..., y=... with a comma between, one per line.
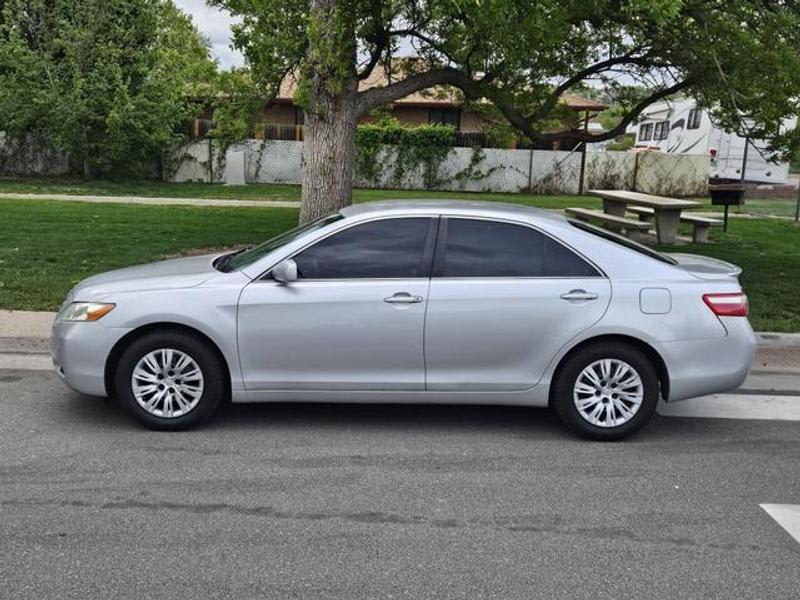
x=80, y=351
x=710, y=366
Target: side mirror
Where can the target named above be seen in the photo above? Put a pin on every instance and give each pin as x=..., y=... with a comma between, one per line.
x=285, y=271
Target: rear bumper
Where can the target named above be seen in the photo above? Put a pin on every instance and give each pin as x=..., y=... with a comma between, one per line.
x=79, y=354
x=711, y=366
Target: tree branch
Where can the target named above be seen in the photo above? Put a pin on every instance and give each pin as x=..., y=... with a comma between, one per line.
x=374, y=97
x=625, y=59
x=374, y=58
x=520, y=122
x=600, y=67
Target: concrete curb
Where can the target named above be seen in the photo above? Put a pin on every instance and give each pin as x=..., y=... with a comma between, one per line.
x=770, y=339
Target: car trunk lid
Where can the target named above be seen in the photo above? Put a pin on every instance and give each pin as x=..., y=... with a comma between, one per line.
x=705, y=267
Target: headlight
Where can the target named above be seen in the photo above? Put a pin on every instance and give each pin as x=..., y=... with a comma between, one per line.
x=85, y=311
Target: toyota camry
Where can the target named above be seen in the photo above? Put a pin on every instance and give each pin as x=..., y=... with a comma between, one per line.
x=443, y=302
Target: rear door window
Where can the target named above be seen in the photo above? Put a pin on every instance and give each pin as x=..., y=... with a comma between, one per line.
x=485, y=248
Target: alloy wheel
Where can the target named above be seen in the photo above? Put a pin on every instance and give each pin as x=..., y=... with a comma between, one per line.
x=608, y=393
x=167, y=383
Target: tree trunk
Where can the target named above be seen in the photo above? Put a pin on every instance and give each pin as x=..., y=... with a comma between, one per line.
x=328, y=157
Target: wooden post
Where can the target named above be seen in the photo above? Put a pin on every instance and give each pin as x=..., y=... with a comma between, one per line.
x=581, y=181
x=210, y=162
x=635, y=169
x=530, y=171
x=744, y=158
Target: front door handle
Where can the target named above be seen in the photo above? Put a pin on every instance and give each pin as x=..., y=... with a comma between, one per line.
x=573, y=295
x=403, y=298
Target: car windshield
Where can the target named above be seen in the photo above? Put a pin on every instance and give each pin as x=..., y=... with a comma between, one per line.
x=243, y=258
x=623, y=241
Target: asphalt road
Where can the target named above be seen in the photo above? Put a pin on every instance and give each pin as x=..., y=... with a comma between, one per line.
x=321, y=501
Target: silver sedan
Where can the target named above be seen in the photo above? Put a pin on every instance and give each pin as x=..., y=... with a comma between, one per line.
x=414, y=302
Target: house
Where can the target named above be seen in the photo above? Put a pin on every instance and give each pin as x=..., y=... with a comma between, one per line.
x=683, y=127
x=443, y=105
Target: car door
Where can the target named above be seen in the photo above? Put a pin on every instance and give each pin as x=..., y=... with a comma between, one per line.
x=504, y=298
x=352, y=320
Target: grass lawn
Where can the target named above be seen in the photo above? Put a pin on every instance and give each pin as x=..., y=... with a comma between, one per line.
x=782, y=207
x=768, y=250
x=777, y=207
x=46, y=247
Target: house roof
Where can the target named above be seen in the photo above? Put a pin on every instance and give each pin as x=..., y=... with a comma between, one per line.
x=576, y=102
x=443, y=96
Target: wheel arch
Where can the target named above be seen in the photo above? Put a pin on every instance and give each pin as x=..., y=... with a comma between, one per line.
x=651, y=353
x=122, y=344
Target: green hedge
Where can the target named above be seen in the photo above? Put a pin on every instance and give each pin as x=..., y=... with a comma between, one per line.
x=423, y=146
x=421, y=136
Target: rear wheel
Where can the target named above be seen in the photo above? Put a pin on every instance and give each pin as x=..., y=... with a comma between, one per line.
x=605, y=391
x=170, y=380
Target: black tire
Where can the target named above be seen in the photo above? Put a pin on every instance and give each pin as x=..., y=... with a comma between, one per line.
x=568, y=373
x=215, y=380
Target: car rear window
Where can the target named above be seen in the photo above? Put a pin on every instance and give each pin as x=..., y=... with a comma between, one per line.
x=623, y=241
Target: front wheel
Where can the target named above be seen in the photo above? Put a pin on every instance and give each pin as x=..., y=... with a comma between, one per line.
x=170, y=380
x=605, y=391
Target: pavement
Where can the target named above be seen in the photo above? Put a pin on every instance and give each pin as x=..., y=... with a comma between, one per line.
x=152, y=200
x=345, y=501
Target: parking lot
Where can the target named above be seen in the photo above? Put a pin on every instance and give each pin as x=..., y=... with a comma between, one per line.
x=327, y=501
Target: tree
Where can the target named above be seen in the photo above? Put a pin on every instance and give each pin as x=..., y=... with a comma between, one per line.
x=738, y=57
x=107, y=80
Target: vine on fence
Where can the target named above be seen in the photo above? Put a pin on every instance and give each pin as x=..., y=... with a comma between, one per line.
x=408, y=150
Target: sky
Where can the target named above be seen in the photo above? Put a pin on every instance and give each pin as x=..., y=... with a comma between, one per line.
x=215, y=25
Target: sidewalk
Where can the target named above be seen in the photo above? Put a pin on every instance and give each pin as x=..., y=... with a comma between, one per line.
x=153, y=200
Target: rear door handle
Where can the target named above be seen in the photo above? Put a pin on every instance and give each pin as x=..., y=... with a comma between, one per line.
x=403, y=298
x=579, y=295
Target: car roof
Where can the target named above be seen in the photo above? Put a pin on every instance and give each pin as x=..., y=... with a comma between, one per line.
x=460, y=207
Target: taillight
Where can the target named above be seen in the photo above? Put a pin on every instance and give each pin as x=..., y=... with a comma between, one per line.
x=727, y=305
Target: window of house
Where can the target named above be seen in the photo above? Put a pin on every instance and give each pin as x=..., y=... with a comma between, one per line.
x=445, y=116
x=482, y=248
x=386, y=249
x=645, y=132
x=693, y=120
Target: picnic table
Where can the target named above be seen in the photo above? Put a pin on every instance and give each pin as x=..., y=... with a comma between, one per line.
x=667, y=211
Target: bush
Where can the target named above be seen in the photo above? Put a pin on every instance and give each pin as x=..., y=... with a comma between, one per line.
x=424, y=146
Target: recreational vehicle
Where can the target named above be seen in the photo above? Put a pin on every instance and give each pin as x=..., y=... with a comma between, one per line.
x=683, y=127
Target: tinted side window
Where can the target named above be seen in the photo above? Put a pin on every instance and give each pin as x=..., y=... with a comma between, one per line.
x=661, y=131
x=693, y=120
x=392, y=248
x=476, y=248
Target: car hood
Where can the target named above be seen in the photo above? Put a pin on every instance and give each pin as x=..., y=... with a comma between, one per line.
x=167, y=274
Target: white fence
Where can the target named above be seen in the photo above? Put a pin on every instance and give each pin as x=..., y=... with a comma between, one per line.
x=467, y=169
x=29, y=155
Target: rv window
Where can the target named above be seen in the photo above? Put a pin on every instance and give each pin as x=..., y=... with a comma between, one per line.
x=693, y=121
x=661, y=131
x=645, y=132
